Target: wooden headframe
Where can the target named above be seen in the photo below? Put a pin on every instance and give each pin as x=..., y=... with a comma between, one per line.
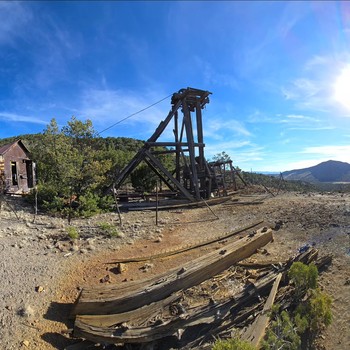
x=191, y=178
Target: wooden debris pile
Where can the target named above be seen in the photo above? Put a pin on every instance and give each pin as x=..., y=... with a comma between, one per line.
x=192, y=305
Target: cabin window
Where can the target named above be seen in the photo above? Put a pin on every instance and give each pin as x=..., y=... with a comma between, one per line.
x=14, y=174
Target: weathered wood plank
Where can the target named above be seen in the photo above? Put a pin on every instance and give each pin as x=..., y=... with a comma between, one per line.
x=256, y=331
x=139, y=314
x=110, y=301
x=212, y=314
x=255, y=225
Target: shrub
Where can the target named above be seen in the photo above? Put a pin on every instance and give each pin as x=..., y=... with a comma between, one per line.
x=315, y=312
x=298, y=329
x=109, y=229
x=88, y=205
x=45, y=193
x=54, y=206
x=72, y=232
x=282, y=333
x=303, y=276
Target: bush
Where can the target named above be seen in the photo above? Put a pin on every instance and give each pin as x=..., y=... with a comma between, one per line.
x=303, y=276
x=109, y=229
x=72, y=232
x=233, y=344
x=298, y=329
x=282, y=333
x=45, y=194
x=88, y=205
x=315, y=312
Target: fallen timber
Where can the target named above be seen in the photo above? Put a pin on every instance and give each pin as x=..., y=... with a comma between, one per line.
x=111, y=300
x=253, y=226
x=216, y=318
x=173, y=204
x=256, y=332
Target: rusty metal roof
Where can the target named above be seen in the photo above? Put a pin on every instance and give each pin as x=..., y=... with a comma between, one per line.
x=5, y=148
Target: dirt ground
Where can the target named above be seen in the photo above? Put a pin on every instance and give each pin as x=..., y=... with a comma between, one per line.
x=42, y=271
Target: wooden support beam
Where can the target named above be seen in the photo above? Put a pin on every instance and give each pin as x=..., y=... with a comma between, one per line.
x=159, y=174
x=172, y=144
x=157, y=164
x=190, y=140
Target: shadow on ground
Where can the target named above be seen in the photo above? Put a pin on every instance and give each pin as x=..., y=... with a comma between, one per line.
x=59, y=312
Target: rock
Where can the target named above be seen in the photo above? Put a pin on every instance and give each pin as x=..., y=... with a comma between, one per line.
x=91, y=247
x=120, y=268
x=74, y=248
x=25, y=343
x=39, y=289
x=146, y=267
x=105, y=279
x=26, y=311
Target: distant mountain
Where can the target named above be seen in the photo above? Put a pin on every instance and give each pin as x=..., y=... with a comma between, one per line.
x=330, y=171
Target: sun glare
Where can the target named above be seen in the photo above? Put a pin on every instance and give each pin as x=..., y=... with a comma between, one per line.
x=342, y=88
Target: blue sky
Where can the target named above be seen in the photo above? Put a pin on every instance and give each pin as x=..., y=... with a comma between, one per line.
x=279, y=72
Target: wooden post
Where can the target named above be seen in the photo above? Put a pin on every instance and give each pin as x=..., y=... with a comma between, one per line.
x=157, y=204
x=117, y=205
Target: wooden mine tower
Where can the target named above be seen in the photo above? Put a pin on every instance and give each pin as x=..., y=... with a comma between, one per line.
x=192, y=178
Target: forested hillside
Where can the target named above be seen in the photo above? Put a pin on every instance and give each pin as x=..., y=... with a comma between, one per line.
x=76, y=161
x=75, y=164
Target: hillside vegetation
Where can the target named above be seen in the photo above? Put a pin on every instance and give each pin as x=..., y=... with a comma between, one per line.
x=76, y=169
x=75, y=163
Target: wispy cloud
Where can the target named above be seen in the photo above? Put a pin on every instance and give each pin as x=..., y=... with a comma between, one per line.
x=241, y=152
x=316, y=61
x=291, y=121
x=315, y=88
x=106, y=107
x=301, y=89
x=14, y=19
x=292, y=14
x=213, y=76
x=218, y=128
x=340, y=152
x=12, y=117
x=292, y=118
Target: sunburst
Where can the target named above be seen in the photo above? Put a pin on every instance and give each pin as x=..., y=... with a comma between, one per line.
x=342, y=87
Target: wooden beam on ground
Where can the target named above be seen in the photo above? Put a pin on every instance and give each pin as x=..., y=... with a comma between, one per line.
x=108, y=299
x=255, y=333
x=214, y=315
x=256, y=225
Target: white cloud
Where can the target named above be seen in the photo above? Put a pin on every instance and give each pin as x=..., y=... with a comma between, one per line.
x=107, y=107
x=301, y=88
x=214, y=127
x=12, y=117
x=293, y=12
x=341, y=153
x=316, y=61
x=14, y=18
x=241, y=152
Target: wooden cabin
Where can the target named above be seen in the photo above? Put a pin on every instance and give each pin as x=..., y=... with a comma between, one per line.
x=17, y=170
